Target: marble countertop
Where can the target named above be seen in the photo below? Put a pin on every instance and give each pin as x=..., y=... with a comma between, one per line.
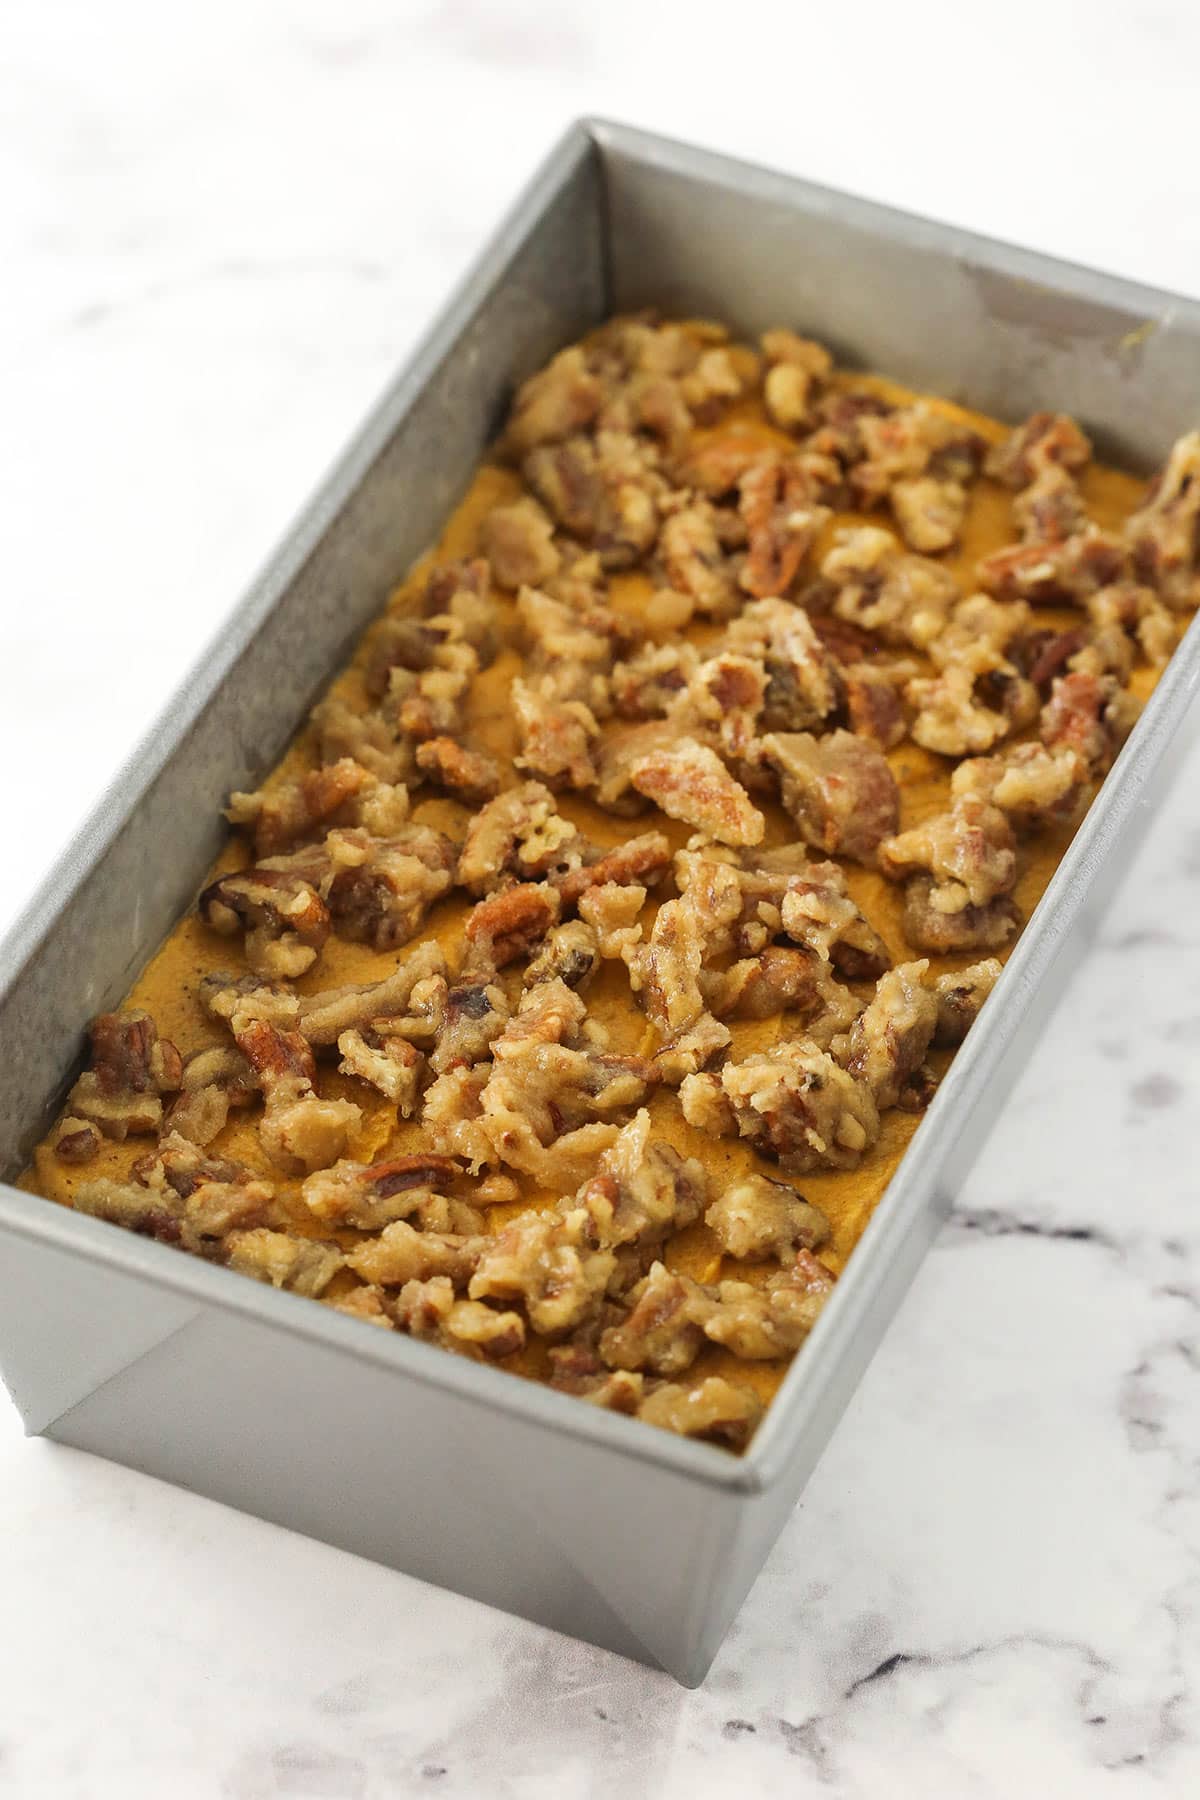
x=225, y=226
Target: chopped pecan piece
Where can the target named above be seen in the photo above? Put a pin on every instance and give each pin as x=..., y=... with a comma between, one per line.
x=285, y=920
x=129, y=1069
x=838, y=789
x=690, y=1049
x=654, y=402
x=712, y=380
x=469, y=775
x=511, y=923
x=1041, y=655
x=1139, y=616
x=556, y=402
x=715, y=466
x=521, y=834
x=763, y=1323
x=669, y=378
x=648, y=684
x=401, y=1254
x=979, y=694
x=969, y=850
x=378, y=890
x=796, y=371
x=400, y=640
x=739, y=905
x=781, y=345
x=1090, y=714
x=907, y=443
x=366, y=1303
x=899, y=597
x=688, y=781
x=619, y=754
x=213, y=1082
x=455, y=606
x=571, y=649
x=580, y=582
x=665, y=972
x=640, y=862
x=518, y=541
x=572, y=622
x=551, y=1264
x=749, y=900
x=429, y=1310
x=183, y=1167
x=616, y=1390
x=180, y=1197
x=783, y=516
x=367, y=739
x=294, y=809
x=727, y=693
x=886, y=1045
x=792, y=1101
x=817, y=910
x=611, y=910
x=1050, y=508
x=1052, y=570
x=367, y=1197
x=929, y=512
x=410, y=999
x=929, y=926
x=660, y=1333
x=452, y=1114
x=302, y=1265
x=385, y=1060
x=960, y=996
x=552, y=1092
x=558, y=737
x=642, y=1189
x=757, y=1219
x=222, y=995
x=961, y=711
x=1164, y=534
x=432, y=703
x=300, y=1131
x=569, y=953
x=803, y=683
x=715, y=1410
x=475, y=1013
x=76, y=1140
x=380, y=807
x=127, y=1204
x=873, y=708
x=777, y=980
x=1045, y=440
x=780, y=979
x=694, y=560
x=604, y=491
x=273, y=1055
x=841, y=414
x=1033, y=785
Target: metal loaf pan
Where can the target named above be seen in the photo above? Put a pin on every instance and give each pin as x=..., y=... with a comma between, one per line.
x=589, y=1523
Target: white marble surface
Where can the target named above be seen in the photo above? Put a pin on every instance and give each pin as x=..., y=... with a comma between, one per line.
x=224, y=225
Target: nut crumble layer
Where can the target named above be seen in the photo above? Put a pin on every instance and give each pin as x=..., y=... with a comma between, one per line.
x=620, y=1361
